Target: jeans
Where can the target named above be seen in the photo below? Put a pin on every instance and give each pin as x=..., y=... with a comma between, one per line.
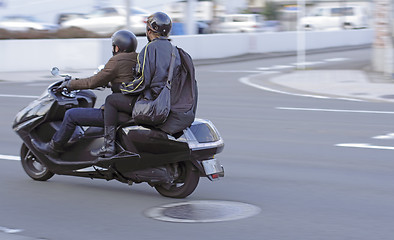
x=77, y=117
x=115, y=103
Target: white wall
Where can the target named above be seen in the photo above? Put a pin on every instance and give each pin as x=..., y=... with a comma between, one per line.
x=37, y=55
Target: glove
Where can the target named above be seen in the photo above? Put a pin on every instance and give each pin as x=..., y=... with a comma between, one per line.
x=64, y=86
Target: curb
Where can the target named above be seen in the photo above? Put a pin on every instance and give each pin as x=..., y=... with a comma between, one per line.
x=257, y=56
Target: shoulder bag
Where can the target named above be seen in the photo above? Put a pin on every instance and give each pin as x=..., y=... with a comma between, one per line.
x=155, y=112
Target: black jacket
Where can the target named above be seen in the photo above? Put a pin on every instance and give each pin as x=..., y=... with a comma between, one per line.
x=153, y=65
x=152, y=71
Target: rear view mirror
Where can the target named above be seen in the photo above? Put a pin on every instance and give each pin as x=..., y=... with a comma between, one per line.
x=55, y=71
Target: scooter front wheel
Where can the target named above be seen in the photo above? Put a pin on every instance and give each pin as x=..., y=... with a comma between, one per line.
x=32, y=166
x=187, y=181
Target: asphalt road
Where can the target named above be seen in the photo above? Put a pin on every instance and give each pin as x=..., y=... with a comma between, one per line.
x=283, y=160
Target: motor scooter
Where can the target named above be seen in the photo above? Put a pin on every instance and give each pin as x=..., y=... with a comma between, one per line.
x=171, y=164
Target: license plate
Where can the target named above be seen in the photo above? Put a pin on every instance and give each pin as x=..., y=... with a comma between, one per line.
x=212, y=166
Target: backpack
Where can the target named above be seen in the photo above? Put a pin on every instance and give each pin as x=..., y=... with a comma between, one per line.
x=184, y=94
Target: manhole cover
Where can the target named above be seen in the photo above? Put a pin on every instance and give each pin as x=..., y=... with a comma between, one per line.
x=202, y=211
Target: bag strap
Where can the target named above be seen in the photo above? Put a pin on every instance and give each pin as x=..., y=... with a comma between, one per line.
x=171, y=69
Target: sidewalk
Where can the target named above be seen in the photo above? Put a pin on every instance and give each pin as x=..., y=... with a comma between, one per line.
x=352, y=84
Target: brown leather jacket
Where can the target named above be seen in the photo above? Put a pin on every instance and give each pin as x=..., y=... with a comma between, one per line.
x=118, y=69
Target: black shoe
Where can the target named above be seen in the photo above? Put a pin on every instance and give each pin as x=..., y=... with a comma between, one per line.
x=49, y=148
x=108, y=149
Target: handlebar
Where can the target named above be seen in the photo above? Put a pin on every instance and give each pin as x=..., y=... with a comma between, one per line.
x=67, y=77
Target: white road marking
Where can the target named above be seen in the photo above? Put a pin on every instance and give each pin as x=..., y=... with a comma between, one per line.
x=264, y=68
x=275, y=67
x=269, y=72
x=246, y=81
x=245, y=71
x=364, y=145
x=18, y=96
x=387, y=136
x=9, y=157
x=350, y=99
x=9, y=230
x=307, y=63
x=336, y=59
x=236, y=71
x=334, y=110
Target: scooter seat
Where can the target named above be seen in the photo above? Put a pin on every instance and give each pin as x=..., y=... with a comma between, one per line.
x=94, y=132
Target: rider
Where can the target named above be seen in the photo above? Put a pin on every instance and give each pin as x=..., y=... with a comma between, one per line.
x=152, y=72
x=119, y=68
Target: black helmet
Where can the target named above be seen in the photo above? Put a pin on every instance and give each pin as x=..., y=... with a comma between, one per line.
x=159, y=23
x=125, y=40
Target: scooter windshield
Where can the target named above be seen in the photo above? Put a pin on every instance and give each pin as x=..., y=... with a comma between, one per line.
x=35, y=109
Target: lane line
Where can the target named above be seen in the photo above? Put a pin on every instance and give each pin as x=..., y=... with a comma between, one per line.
x=336, y=59
x=9, y=230
x=245, y=80
x=387, y=136
x=307, y=63
x=333, y=110
x=9, y=157
x=350, y=99
x=235, y=71
x=18, y=96
x=364, y=145
x=275, y=67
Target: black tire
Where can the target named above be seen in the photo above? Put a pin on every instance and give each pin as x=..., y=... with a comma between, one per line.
x=184, y=186
x=32, y=166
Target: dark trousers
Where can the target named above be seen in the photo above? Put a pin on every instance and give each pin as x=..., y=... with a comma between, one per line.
x=77, y=117
x=115, y=103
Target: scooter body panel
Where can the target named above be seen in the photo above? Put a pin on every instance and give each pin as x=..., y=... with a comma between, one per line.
x=138, y=147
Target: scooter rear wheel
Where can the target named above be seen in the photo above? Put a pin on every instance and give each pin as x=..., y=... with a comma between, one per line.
x=185, y=184
x=32, y=166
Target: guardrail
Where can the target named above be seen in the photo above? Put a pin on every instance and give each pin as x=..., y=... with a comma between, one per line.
x=42, y=54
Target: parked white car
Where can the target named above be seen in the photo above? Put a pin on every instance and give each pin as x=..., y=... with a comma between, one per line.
x=25, y=23
x=235, y=23
x=339, y=17
x=108, y=20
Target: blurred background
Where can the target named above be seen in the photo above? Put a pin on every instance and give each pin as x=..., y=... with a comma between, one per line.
x=209, y=16
x=54, y=19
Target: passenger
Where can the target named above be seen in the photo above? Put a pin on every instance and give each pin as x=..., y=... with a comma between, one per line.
x=152, y=72
x=151, y=77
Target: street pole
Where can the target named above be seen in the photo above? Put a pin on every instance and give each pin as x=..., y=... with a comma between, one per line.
x=189, y=14
x=300, y=36
x=382, y=59
x=128, y=9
